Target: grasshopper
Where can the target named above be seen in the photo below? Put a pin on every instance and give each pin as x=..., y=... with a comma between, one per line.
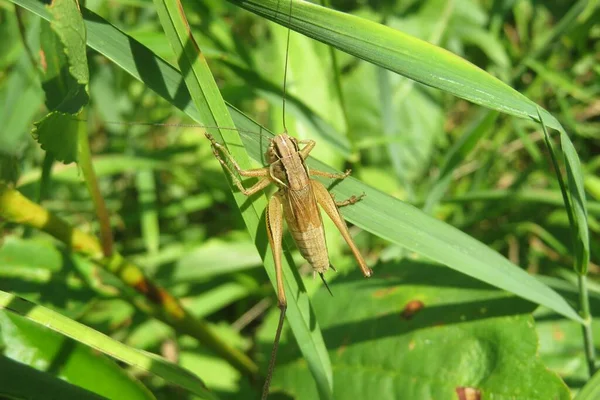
x=297, y=202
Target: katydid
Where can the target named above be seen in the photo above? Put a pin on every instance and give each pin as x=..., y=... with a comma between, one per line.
x=297, y=202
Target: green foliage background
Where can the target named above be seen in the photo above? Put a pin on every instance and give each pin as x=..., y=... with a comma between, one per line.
x=448, y=184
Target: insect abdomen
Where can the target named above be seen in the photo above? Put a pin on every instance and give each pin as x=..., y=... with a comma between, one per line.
x=313, y=248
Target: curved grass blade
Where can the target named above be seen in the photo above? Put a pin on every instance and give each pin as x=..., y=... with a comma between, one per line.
x=140, y=359
x=404, y=54
x=573, y=193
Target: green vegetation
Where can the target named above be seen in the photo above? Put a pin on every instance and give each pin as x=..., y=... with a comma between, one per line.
x=129, y=268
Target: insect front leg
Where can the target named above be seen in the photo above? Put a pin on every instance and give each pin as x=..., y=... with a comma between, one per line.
x=309, y=145
x=326, y=201
x=258, y=172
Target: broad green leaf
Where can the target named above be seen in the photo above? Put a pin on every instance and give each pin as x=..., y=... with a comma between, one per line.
x=63, y=91
x=561, y=347
x=418, y=330
x=34, y=345
x=57, y=134
x=19, y=381
x=98, y=341
x=65, y=79
x=68, y=25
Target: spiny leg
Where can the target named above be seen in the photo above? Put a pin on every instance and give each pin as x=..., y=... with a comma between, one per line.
x=274, y=219
x=353, y=199
x=349, y=201
x=326, y=202
x=329, y=174
x=258, y=172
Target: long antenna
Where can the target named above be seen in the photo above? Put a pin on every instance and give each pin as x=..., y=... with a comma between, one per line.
x=167, y=124
x=285, y=68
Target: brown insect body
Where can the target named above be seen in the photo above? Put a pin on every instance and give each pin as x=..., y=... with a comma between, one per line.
x=300, y=210
x=296, y=201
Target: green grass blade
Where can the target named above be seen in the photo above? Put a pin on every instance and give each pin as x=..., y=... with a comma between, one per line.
x=401, y=53
x=207, y=97
x=88, y=336
x=573, y=197
x=148, y=206
x=578, y=203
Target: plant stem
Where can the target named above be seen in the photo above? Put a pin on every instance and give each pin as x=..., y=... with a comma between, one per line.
x=588, y=337
x=15, y=207
x=84, y=160
x=46, y=175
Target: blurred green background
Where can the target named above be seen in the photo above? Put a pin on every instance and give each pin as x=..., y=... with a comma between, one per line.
x=172, y=212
